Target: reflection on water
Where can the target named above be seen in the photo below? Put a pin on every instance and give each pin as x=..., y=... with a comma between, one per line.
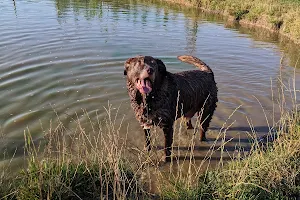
x=94, y=8
x=68, y=55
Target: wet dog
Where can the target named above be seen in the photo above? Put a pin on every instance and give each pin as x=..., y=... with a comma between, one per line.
x=159, y=97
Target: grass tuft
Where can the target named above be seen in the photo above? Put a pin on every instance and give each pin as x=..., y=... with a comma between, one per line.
x=75, y=166
x=48, y=180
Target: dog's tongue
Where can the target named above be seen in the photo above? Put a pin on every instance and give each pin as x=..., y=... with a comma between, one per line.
x=144, y=86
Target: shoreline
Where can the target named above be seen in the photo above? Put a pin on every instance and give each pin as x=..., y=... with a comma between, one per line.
x=278, y=26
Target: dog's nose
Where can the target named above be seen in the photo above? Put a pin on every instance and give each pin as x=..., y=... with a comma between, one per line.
x=150, y=71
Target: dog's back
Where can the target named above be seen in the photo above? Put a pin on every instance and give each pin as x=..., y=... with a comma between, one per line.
x=197, y=90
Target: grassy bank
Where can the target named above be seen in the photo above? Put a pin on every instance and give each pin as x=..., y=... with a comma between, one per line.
x=89, y=166
x=276, y=15
x=272, y=172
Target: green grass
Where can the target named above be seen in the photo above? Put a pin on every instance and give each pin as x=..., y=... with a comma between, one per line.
x=48, y=180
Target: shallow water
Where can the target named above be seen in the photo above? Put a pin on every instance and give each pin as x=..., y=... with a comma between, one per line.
x=61, y=57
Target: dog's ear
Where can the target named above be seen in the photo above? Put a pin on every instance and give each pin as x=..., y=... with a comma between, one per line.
x=127, y=64
x=161, y=67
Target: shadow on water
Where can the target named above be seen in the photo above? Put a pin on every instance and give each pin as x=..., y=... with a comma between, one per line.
x=94, y=9
x=261, y=129
x=202, y=149
x=199, y=158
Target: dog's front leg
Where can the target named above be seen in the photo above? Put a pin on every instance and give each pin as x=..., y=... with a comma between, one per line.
x=148, y=139
x=168, y=132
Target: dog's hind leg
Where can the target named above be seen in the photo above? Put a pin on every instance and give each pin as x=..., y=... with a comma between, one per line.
x=203, y=124
x=205, y=118
x=202, y=133
x=189, y=123
x=148, y=139
x=188, y=116
x=168, y=132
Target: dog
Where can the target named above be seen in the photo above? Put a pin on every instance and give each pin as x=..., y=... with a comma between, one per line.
x=159, y=97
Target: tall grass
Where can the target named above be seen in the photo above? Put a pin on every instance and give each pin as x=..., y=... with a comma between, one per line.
x=75, y=164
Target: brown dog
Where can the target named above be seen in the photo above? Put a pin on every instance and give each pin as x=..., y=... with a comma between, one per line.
x=159, y=97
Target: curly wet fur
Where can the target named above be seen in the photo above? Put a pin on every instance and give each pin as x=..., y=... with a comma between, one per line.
x=173, y=95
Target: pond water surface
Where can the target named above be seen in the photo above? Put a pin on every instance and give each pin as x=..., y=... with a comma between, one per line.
x=68, y=56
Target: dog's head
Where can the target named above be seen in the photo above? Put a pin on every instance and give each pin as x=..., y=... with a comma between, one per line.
x=145, y=72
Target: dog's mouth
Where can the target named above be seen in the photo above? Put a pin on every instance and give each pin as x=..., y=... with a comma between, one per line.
x=144, y=85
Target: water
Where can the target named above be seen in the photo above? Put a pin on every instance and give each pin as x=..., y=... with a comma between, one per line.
x=59, y=58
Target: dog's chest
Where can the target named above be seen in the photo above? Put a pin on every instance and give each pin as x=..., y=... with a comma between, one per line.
x=159, y=108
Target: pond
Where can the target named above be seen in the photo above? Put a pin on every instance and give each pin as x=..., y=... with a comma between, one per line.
x=60, y=58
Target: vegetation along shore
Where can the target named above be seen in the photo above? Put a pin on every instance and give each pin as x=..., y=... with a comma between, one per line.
x=282, y=16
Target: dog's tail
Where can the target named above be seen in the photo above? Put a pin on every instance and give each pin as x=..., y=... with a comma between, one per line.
x=195, y=61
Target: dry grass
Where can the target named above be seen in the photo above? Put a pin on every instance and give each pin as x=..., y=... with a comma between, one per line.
x=75, y=164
